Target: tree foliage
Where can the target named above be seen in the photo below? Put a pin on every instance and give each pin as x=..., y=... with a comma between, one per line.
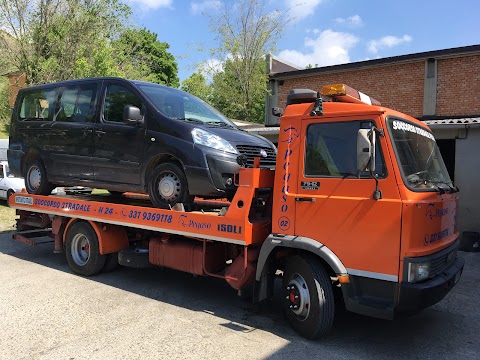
x=141, y=56
x=53, y=40
x=246, y=31
x=197, y=85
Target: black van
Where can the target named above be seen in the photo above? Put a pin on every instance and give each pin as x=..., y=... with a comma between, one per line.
x=124, y=135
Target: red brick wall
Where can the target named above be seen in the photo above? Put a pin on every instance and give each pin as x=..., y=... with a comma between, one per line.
x=400, y=86
x=16, y=81
x=458, y=86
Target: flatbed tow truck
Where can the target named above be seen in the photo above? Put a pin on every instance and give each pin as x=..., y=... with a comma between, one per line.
x=359, y=209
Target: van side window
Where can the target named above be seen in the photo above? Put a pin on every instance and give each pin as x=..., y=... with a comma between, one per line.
x=37, y=105
x=76, y=104
x=116, y=98
x=331, y=150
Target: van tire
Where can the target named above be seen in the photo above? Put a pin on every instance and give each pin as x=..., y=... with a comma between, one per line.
x=168, y=186
x=307, y=285
x=83, y=250
x=36, y=178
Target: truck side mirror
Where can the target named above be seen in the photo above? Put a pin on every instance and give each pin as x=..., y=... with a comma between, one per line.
x=366, y=150
x=277, y=111
x=132, y=115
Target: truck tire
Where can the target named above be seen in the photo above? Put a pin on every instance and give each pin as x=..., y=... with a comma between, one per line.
x=82, y=249
x=111, y=262
x=308, y=299
x=168, y=186
x=36, y=178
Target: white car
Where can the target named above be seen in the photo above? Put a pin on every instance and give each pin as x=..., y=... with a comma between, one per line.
x=8, y=183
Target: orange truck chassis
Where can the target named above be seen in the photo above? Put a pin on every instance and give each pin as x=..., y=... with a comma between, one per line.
x=359, y=209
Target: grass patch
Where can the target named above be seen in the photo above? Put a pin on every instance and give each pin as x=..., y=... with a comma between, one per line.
x=7, y=217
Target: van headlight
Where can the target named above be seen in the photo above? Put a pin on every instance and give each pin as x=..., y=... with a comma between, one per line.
x=206, y=138
x=418, y=271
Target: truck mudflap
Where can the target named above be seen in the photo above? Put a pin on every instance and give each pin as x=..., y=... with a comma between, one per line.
x=415, y=297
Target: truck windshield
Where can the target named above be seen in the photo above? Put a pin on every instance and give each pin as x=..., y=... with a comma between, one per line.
x=180, y=105
x=419, y=158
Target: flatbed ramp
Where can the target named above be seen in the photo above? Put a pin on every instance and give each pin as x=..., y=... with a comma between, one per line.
x=245, y=221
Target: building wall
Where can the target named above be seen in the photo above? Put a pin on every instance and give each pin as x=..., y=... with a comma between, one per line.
x=458, y=86
x=399, y=86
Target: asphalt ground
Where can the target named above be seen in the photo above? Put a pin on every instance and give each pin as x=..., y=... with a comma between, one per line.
x=47, y=312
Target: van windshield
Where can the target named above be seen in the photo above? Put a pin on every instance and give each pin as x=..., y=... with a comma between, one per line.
x=180, y=105
x=419, y=158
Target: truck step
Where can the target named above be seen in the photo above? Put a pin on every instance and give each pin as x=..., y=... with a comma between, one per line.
x=34, y=237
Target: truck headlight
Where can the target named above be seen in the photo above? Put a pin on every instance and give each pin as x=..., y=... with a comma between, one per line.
x=418, y=271
x=206, y=138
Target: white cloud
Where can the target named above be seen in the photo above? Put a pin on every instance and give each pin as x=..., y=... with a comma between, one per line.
x=328, y=48
x=202, y=6
x=352, y=21
x=299, y=9
x=374, y=46
x=153, y=4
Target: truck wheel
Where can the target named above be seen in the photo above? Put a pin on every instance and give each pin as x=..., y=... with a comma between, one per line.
x=82, y=249
x=308, y=297
x=167, y=186
x=36, y=179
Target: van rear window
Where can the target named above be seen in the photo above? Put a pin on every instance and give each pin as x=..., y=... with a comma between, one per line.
x=37, y=105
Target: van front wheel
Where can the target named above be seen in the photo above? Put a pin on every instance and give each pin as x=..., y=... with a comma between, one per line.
x=167, y=186
x=36, y=179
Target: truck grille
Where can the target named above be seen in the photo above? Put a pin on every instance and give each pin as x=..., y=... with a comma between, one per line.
x=439, y=264
x=251, y=152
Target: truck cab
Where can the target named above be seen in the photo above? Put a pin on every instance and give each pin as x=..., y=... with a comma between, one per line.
x=365, y=189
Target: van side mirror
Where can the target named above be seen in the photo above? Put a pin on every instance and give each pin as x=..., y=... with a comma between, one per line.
x=132, y=115
x=366, y=141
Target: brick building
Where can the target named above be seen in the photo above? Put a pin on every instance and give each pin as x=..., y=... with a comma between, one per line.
x=16, y=81
x=440, y=87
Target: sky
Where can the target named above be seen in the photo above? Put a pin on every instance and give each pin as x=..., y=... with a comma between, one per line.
x=320, y=32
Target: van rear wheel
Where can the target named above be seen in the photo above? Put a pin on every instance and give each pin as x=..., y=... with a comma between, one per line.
x=168, y=186
x=36, y=179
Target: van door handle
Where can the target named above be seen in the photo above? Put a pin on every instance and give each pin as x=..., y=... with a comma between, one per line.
x=305, y=199
x=87, y=131
x=100, y=133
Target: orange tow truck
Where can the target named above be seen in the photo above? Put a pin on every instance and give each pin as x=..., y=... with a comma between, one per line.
x=360, y=209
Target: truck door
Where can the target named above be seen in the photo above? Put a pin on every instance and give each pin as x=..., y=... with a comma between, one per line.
x=335, y=205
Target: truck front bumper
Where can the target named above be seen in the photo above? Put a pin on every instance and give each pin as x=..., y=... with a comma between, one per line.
x=415, y=297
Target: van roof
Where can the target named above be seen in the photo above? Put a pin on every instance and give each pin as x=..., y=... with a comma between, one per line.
x=69, y=82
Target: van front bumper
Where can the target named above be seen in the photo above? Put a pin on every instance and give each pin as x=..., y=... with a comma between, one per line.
x=214, y=180
x=15, y=161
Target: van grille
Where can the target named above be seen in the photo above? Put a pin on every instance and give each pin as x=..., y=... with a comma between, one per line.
x=251, y=152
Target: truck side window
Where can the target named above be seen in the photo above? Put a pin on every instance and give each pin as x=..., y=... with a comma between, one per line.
x=76, y=104
x=37, y=105
x=331, y=150
x=116, y=98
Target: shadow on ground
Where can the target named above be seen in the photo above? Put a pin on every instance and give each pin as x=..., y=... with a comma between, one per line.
x=448, y=330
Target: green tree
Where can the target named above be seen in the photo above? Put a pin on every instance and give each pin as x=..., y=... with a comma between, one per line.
x=228, y=95
x=141, y=56
x=197, y=85
x=245, y=31
x=51, y=40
